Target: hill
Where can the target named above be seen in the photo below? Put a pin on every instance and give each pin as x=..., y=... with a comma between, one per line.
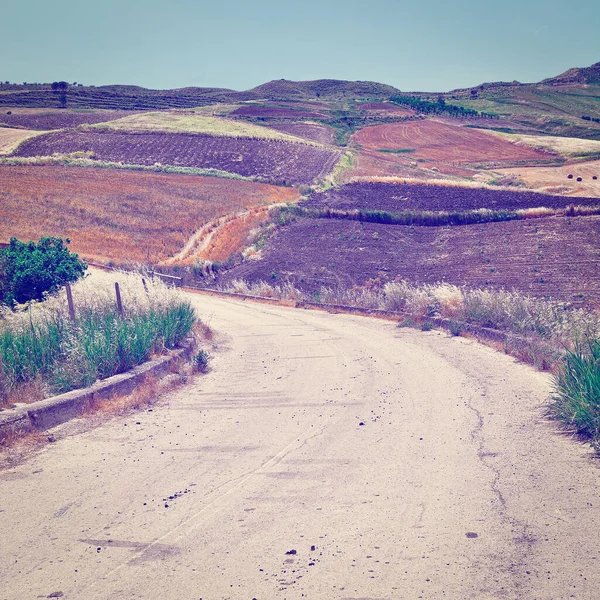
x=282, y=89
x=585, y=76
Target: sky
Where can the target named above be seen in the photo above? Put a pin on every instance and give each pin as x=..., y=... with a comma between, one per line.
x=426, y=45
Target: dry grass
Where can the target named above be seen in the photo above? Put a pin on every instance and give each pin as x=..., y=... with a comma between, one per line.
x=554, y=180
x=11, y=138
x=565, y=146
x=121, y=216
x=190, y=122
x=233, y=235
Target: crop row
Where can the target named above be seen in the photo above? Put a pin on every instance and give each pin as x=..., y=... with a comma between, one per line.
x=57, y=119
x=395, y=197
x=272, y=160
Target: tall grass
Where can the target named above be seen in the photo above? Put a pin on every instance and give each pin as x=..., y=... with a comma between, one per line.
x=428, y=218
x=40, y=343
x=576, y=397
x=548, y=334
x=549, y=321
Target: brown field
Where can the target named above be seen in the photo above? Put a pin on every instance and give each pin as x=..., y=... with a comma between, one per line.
x=372, y=163
x=555, y=180
x=232, y=236
x=11, y=138
x=438, y=143
x=121, y=216
x=555, y=257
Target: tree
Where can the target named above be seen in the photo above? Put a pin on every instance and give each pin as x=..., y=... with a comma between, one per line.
x=61, y=87
x=29, y=271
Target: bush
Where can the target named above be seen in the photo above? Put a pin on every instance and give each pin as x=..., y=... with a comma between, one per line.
x=29, y=271
x=576, y=397
x=200, y=361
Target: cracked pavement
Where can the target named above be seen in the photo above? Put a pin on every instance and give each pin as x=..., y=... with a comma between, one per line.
x=323, y=456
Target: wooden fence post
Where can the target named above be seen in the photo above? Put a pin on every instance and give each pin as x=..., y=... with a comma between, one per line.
x=70, y=303
x=119, y=303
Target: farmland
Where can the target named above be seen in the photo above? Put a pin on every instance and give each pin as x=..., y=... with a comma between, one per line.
x=565, y=146
x=190, y=122
x=273, y=112
x=553, y=257
x=433, y=141
x=556, y=179
x=386, y=108
x=397, y=197
x=11, y=138
x=56, y=119
x=121, y=216
x=276, y=161
x=310, y=131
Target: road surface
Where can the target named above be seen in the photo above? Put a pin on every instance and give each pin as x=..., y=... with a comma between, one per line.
x=324, y=456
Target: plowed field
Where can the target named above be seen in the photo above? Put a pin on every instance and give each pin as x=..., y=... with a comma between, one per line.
x=274, y=160
x=311, y=131
x=438, y=142
x=554, y=256
x=57, y=119
x=116, y=215
x=395, y=197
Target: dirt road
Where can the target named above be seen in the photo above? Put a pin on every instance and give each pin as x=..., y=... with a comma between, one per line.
x=325, y=456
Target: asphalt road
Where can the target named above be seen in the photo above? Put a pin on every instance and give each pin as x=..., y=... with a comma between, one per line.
x=324, y=456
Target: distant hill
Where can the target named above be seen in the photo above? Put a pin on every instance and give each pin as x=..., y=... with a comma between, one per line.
x=585, y=76
x=283, y=89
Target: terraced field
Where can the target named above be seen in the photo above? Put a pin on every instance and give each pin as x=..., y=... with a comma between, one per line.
x=272, y=112
x=121, y=216
x=47, y=120
x=276, y=161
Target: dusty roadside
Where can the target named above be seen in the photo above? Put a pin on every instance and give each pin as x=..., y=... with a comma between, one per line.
x=324, y=456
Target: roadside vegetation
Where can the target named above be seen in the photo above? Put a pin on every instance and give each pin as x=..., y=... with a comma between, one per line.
x=29, y=271
x=550, y=335
x=44, y=352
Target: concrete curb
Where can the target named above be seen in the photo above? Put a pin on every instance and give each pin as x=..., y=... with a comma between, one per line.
x=64, y=407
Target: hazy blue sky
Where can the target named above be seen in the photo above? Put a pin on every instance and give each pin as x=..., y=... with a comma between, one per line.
x=433, y=45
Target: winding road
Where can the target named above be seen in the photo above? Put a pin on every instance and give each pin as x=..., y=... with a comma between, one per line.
x=324, y=456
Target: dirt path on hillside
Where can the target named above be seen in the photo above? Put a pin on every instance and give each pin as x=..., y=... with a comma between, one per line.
x=324, y=456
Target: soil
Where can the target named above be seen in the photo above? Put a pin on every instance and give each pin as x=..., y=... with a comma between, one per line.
x=439, y=142
x=551, y=257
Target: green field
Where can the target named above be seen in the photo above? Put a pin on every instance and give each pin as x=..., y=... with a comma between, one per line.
x=555, y=110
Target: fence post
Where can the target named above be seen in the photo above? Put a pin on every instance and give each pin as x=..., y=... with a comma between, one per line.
x=119, y=303
x=70, y=303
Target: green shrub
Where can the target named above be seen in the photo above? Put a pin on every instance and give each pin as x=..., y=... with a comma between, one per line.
x=200, y=361
x=576, y=397
x=29, y=271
